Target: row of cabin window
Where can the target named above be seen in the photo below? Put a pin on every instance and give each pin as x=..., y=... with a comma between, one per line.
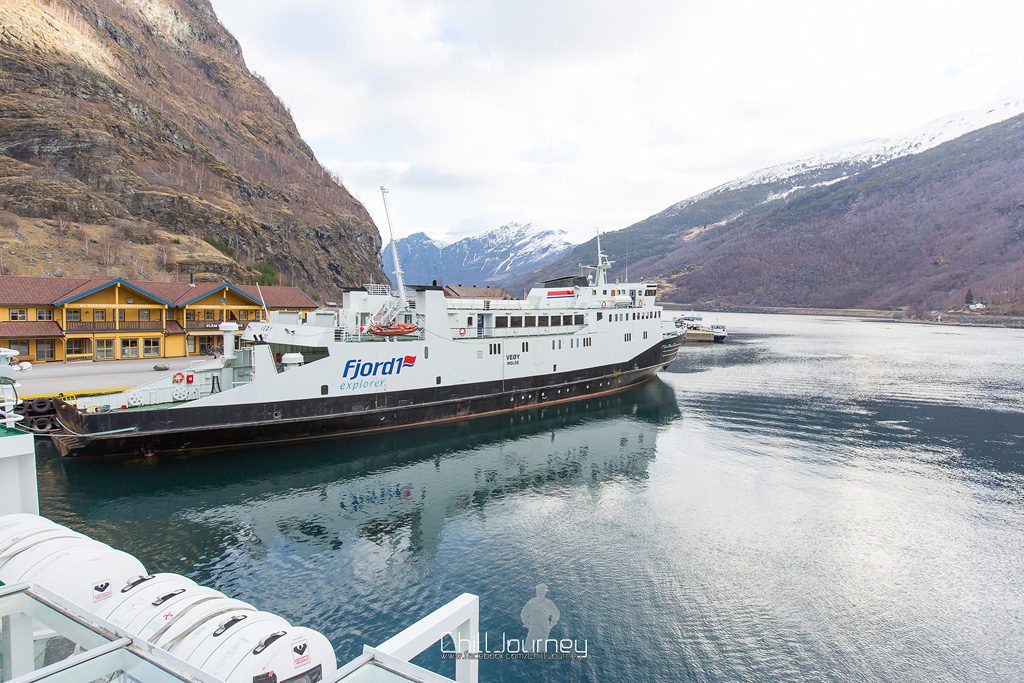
x=640, y=315
x=622, y=292
x=573, y=343
x=503, y=321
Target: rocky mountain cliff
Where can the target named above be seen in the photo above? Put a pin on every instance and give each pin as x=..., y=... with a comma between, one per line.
x=495, y=257
x=909, y=222
x=134, y=140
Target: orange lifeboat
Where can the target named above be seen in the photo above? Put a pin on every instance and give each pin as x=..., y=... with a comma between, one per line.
x=394, y=329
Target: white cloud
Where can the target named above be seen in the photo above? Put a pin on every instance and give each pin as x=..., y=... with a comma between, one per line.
x=582, y=114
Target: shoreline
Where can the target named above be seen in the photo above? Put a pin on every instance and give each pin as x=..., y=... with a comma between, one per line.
x=948, y=319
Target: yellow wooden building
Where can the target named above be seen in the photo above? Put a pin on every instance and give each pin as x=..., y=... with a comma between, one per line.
x=57, y=319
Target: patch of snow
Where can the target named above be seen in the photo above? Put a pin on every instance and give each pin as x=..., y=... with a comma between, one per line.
x=868, y=154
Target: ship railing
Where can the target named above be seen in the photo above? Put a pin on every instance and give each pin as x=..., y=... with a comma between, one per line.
x=521, y=305
x=514, y=332
x=377, y=289
x=164, y=389
x=355, y=334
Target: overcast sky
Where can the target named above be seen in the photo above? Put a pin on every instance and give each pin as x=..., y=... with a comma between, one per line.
x=584, y=114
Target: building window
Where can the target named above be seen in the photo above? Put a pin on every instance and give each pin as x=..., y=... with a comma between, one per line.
x=130, y=348
x=531, y=321
x=151, y=347
x=190, y=315
x=600, y=316
x=517, y=321
x=244, y=315
x=469, y=321
x=44, y=314
x=567, y=320
x=556, y=320
x=18, y=314
x=72, y=315
x=579, y=320
x=19, y=346
x=144, y=315
x=501, y=321
x=99, y=316
x=120, y=314
x=45, y=349
x=208, y=315
x=104, y=348
x=542, y=321
x=192, y=345
x=77, y=347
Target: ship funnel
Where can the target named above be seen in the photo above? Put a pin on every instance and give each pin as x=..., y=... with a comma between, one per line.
x=229, y=330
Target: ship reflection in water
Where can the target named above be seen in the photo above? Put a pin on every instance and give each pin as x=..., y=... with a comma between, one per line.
x=818, y=499
x=310, y=531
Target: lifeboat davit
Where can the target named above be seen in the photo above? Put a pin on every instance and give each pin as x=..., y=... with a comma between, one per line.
x=394, y=329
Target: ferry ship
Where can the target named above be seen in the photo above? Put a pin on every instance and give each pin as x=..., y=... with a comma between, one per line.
x=387, y=359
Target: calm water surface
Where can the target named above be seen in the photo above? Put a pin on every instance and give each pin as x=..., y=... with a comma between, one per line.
x=818, y=499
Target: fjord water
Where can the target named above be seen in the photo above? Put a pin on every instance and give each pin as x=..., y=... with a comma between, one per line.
x=817, y=499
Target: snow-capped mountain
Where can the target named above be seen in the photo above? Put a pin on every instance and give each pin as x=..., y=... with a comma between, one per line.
x=847, y=161
x=496, y=257
x=912, y=220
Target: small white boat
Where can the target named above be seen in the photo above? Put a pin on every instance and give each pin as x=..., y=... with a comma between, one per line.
x=696, y=331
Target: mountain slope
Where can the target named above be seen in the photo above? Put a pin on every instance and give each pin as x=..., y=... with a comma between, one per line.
x=136, y=127
x=496, y=257
x=907, y=222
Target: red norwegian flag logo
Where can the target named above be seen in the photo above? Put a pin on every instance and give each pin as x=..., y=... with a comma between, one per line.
x=408, y=361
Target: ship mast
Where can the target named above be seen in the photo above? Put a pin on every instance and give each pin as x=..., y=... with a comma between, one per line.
x=394, y=250
x=602, y=267
x=603, y=264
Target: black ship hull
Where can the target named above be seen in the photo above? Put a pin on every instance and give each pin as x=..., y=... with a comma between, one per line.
x=188, y=430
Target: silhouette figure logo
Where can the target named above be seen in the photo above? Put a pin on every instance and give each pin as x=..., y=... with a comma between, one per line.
x=539, y=616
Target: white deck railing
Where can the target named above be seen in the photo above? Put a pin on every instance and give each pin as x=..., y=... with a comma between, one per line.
x=459, y=620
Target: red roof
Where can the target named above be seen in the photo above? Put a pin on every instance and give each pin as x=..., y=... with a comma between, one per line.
x=85, y=287
x=46, y=291
x=24, y=330
x=168, y=291
x=36, y=290
x=277, y=296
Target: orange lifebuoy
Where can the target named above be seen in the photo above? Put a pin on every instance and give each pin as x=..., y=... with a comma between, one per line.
x=462, y=331
x=178, y=378
x=604, y=304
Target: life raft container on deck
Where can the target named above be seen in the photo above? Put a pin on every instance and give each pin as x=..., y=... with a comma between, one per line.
x=394, y=329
